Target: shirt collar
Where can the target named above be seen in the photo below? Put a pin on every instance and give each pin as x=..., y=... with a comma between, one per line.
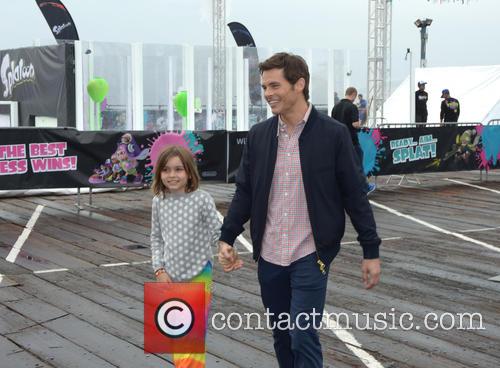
x=282, y=125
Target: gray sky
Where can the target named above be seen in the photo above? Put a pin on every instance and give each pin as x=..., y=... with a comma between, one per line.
x=460, y=34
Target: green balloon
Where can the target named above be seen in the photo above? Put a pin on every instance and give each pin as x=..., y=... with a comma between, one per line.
x=98, y=89
x=180, y=103
x=197, y=103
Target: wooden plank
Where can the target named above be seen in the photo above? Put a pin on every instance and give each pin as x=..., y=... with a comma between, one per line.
x=12, y=356
x=97, y=315
x=59, y=351
x=12, y=321
x=49, y=250
x=12, y=294
x=34, y=309
x=104, y=345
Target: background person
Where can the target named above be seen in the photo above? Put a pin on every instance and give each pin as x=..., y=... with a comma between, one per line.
x=347, y=113
x=450, y=108
x=421, y=97
x=362, y=108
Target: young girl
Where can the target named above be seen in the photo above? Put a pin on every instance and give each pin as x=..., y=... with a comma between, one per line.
x=184, y=226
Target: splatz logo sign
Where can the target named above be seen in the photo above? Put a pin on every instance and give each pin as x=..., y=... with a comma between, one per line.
x=60, y=28
x=407, y=149
x=13, y=74
x=44, y=157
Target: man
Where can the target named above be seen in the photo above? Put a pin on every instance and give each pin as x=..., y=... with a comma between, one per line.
x=298, y=174
x=421, y=98
x=362, y=108
x=347, y=113
x=450, y=108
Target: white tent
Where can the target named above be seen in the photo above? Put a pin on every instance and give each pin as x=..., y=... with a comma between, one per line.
x=477, y=88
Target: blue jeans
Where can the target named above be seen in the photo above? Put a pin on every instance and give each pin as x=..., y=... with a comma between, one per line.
x=296, y=289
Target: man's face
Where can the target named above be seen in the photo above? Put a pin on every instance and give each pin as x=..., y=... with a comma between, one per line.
x=421, y=87
x=279, y=93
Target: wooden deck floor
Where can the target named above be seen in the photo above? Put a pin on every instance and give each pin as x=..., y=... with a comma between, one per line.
x=441, y=247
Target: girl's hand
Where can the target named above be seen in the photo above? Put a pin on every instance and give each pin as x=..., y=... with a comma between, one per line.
x=229, y=258
x=163, y=277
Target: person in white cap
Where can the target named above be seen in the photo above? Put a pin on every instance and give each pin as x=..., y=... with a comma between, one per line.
x=421, y=98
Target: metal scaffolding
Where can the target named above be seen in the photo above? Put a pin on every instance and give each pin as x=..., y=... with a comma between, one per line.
x=379, y=57
x=219, y=63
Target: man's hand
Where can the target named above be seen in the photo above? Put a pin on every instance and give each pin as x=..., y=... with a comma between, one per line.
x=228, y=257
x=370, y=269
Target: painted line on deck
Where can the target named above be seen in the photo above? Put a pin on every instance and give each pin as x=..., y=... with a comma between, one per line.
x=139, y=263
x=106, y=265
x=346, y=337
x=479, y=230
x=434, y=227
x=472, y=185
x=124, y=264
x=350, y=342
x=240, y=238
x=115, y=264
x=24, y=235
x=383, y=239
x=51, y=270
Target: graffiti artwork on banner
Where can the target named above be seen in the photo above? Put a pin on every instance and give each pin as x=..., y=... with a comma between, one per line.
x=188, y=140
x=464, y=153
x=44, y=157
x=371, y=142
x=121, y=166
x=489, y=150
x=406, y=149
x=13, y=75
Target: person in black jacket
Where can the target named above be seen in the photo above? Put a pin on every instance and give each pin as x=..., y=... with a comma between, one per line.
x=313, y=152
x=421, y=98
x=450, y=108
x=347, y=113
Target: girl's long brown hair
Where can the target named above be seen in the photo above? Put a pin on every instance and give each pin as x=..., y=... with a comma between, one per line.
x=187, y=161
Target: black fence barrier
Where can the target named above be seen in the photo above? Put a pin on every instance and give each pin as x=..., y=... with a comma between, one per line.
x=32, y=158
x=430, y=149
x=35, y=158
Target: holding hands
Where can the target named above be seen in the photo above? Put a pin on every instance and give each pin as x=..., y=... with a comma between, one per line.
x=229, y=258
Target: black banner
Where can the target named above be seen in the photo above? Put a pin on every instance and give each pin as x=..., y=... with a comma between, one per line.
x=236, y=142
x=241, y=35
x=67, y=158
x=243, y=38
x=42, y=80
x=59, y=20
x=412, y=150
x=436, y=149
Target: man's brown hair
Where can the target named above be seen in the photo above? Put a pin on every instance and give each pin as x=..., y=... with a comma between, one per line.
x=187, y=160
x=294, y=67
x=351, y=90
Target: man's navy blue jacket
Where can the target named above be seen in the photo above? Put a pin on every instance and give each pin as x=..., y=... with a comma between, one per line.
x=332, y=183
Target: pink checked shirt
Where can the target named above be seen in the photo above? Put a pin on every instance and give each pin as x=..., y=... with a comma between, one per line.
x=288, y=235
